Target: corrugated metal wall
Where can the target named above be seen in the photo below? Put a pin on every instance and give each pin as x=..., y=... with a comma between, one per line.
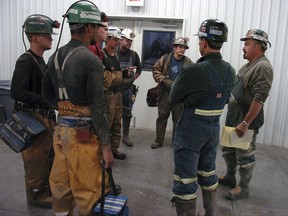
x=239, y=15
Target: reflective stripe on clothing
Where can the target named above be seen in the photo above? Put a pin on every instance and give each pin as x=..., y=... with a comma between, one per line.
x=185, y=180
x=208, y=112
x=61, y=213
x=244, y=158
x=186, y=197
x=210, y=188
x=76, y=118
x=197, y=135
x=206, y=174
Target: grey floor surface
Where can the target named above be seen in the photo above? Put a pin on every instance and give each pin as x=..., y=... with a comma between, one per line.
x=146, y=177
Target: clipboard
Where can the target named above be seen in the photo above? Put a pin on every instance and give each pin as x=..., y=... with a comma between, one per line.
x=230, y=138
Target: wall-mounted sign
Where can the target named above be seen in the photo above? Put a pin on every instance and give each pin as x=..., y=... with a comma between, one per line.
x=138, y=3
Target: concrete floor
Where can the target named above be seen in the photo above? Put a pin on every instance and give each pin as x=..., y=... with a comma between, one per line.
x=146, y=178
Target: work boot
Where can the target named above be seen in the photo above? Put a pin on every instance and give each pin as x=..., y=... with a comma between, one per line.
x=242, y=190
x=119, y=155
x=229, y=179
x=126, y=140
x=156, y=145
x=69, y=213
x=209, y=202
x=185, y=207
x=237, y=193
x=41, y=198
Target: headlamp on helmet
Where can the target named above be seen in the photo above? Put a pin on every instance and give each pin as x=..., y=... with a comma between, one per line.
x=39, y=24
x=182, y=41
x=114, y=32
x=259, y=35
x=128, y=33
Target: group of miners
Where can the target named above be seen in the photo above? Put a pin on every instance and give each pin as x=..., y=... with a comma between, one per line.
x=92, y=89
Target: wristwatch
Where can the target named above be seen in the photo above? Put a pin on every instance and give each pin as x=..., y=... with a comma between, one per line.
x=245, y=123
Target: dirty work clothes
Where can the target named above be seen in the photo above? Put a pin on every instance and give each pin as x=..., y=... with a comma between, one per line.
x=195, y=144
x=127, y=59
x=254, y=82
x=114, y=104
x=37, y=158
x=76, y=172
x=164, y=109
x=83, y=79
x=195, y=148
x=197, y=132
x=26, y=88
x=26, y=85
x=165, y=70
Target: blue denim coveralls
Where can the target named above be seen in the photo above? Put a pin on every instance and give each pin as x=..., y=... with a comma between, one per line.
x=197, y=137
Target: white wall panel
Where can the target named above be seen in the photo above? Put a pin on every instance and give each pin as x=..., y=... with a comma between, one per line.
x=239, y=15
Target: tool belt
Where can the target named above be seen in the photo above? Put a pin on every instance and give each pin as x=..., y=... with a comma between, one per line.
x=78, y=117
x=83, y=126
x=66, y=108
x=20, y=106
x=72, y=121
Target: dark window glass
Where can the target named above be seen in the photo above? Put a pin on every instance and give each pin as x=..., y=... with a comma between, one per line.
x=155, y=44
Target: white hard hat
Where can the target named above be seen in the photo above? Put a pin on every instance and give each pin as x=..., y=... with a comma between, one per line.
x=128, y=33
x=114, y=32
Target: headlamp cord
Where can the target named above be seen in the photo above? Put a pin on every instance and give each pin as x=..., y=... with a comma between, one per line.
x=64, y=16
x=23, y=38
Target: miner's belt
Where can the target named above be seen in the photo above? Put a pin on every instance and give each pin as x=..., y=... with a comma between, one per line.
x=71, y=121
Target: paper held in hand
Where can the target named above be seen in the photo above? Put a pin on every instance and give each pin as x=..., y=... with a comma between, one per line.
x=231, y=139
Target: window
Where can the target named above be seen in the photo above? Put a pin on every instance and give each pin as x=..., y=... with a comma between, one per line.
x=156, y=44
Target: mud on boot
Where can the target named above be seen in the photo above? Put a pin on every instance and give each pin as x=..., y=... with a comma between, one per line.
x=126, y=140
x=227, y=181
x=237, y=193
x=119, y=155
x=184, y=207
x=156, y=145
x=40, y=198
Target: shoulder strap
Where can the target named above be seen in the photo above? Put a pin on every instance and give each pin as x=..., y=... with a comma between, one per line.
x=60, y=71
x=165, y=57
x=104, y=53
x=33, y=57
x=133, y=56
x=108, y=60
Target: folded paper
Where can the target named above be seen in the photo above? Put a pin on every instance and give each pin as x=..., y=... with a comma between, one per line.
x=232, y=140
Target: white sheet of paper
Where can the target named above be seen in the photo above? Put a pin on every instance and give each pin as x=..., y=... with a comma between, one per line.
x=246, y=138
x=229, y=135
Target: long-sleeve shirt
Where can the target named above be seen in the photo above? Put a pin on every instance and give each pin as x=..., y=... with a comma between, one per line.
x=26, y=85
x=257, y=79
x=162, y=69
x=192, y=85
x=83, y=79
x=129, y=58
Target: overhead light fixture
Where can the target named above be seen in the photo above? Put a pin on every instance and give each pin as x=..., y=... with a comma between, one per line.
x=169, y=25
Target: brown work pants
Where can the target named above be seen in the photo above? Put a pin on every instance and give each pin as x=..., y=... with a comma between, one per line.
x=37, y=158
x=76, y=172
x=114, y=103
